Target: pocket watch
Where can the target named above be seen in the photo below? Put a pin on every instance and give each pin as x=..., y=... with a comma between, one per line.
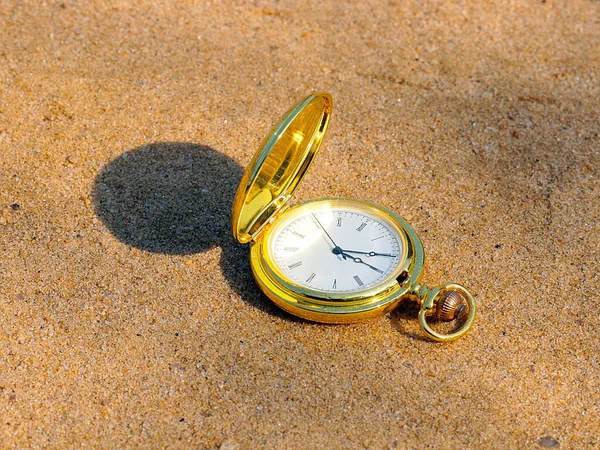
x=332, y=260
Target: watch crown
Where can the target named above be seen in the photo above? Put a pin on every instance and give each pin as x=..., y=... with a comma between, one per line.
x=453, y=305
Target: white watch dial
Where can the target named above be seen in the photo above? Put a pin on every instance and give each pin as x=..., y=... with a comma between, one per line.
x=339, y=249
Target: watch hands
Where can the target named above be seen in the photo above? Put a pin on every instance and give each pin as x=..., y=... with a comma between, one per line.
x=337, y=250
x=369, y=253
x=323, y=228
x=360, y=261
x=346, y=256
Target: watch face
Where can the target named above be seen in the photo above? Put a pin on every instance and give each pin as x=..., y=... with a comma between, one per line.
x=337, y=249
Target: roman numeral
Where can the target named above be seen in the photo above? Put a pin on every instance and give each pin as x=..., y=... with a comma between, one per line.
x=374, y=239
x=339, y=221
x=290, y=249
x=334, y=284
x=298, y=234
x=293, y=266
x=358, y=280
x=362, y=226
x=309, y=279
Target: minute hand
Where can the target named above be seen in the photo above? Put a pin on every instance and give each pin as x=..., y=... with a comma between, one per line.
x=370, y=253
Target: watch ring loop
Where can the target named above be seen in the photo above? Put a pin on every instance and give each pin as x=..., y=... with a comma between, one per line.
x=432, y=303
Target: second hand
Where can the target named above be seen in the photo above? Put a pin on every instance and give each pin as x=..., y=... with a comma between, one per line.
x=323, y=228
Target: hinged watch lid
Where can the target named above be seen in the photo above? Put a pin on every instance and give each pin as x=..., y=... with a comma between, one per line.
x=279, y=164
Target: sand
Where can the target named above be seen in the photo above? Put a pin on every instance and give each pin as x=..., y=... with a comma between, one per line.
x=128, y=313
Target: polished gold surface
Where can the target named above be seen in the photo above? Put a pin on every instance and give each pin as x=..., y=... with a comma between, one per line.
x=261, y=201
x=339, y=307
x=279, y=165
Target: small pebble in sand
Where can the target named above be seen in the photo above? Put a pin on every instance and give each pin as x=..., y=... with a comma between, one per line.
x=86, y=200
x=548, y=442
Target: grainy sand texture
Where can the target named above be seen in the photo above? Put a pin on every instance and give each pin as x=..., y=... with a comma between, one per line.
x=129, y=317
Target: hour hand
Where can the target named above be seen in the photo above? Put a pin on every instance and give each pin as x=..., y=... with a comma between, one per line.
x=346, y=256
x=360, y=261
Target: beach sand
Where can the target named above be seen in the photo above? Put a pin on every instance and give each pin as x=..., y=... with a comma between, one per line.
x=129, y=317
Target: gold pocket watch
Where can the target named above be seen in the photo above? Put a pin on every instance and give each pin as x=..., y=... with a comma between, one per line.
x=331, y=260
